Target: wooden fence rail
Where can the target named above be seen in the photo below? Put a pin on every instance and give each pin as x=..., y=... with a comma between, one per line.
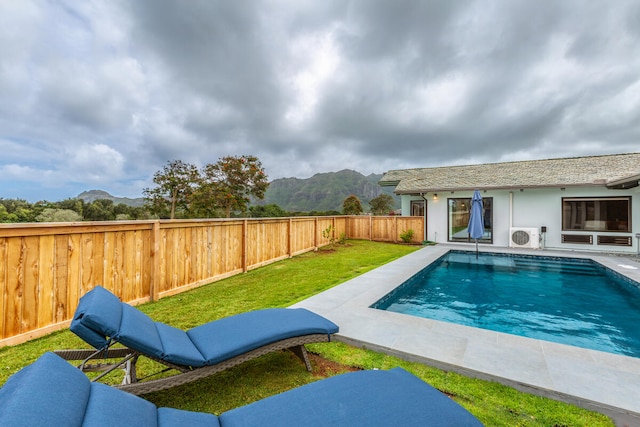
x=46, y=267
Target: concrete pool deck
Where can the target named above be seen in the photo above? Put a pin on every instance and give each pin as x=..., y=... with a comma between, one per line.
x=596, y=380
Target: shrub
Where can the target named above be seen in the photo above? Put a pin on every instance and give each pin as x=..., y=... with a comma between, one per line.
x=327, y=233
x=407, y=235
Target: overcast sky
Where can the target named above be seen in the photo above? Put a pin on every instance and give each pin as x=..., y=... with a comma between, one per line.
x=101, y=94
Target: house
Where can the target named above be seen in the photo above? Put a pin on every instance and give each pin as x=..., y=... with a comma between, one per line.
x=579, y=203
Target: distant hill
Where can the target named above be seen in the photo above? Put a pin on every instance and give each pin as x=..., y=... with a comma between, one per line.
x=321, y=192
x=93, y=195
x=325, y=191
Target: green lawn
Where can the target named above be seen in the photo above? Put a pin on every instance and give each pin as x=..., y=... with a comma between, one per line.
x=282, y=284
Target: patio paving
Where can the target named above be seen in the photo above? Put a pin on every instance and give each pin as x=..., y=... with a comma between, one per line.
x=596, y=380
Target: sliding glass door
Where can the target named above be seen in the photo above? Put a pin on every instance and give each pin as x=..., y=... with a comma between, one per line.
x=458, y=219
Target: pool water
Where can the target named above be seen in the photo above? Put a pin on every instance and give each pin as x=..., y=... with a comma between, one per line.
x=566, y=300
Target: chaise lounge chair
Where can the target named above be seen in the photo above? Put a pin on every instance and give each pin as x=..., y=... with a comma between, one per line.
x=50, y=392
x=102, y=320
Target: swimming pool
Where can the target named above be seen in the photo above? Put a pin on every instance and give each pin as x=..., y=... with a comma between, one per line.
x=567, y=300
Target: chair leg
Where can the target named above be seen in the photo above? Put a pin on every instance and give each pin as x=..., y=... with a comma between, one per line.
x=130, y=376
x=301, y=352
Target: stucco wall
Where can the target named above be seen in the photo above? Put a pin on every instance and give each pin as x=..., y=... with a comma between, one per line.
x=530, y=208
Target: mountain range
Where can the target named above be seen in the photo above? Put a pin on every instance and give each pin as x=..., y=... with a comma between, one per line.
x=321, y=192
x=93, y=195
x=324, y=191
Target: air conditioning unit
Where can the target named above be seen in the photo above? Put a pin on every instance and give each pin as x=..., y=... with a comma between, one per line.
x=521, y=237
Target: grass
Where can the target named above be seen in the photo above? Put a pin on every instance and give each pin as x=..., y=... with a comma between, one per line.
x=282, y=284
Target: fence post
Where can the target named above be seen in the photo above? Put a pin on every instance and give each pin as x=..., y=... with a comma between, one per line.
x=394, y=238
x=315, y=233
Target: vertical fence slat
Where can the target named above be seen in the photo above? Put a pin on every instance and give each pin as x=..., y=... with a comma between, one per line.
x=244, y=245
x=153, y=247
x=30, y=298
x=3, y=286
x=14, y=291
x=61, y=278
x=46, y=294
x=87, y=278
x=129, y=263
x=74, y=269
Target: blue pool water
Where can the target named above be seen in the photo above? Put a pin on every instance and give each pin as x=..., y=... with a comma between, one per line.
x=569, y=301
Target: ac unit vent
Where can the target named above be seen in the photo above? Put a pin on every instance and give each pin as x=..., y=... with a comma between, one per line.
x=581, y=239
x=614, y=240
x=524, y=238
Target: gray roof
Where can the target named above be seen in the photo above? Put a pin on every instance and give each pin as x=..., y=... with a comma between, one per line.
x=614, y=171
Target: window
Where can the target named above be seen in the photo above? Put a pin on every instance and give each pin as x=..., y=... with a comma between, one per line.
x=597, y=214
x=458, y=221
x=417, y=208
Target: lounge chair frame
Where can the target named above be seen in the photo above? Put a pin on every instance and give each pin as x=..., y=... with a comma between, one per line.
x=128, y=359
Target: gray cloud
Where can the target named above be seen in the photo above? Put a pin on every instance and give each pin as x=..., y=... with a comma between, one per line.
x=103, y=94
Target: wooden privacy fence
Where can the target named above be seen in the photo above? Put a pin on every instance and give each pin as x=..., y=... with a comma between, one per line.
x=46, y=267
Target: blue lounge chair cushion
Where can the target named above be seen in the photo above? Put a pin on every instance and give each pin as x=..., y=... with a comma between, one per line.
x=366, y=398
x=109, y=406
x=235, y=335
x=178, y=346
x=101, y=316
x=46, y=392
x=139, y=332
x=97, y=317
x=51, y=392
x=169, y=417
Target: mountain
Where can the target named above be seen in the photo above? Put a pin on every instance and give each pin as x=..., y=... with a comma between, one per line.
x=324, y=191
x=321, y=192
x=93, y=195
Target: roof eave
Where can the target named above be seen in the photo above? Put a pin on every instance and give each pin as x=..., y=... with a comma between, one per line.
x=489, y=188
x=624, y=183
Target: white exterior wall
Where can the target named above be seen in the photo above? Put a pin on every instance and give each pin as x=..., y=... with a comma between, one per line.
x=531, y=208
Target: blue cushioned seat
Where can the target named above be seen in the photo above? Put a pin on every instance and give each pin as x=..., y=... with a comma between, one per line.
x=97, y=317
x=138, y=331
x=176, y=342
x=231, y=336
x=102, y=320
x=366, y=398
x=49, y=386
x=50, y=392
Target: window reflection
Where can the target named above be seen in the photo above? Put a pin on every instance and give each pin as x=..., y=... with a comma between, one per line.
x=459, y=211
x=596, y=214
x=417, y=208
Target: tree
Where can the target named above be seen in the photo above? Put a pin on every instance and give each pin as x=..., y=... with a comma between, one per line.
x=5, y=216
x=352, y=206
x=19, y=210
x=75, y=204
x=99, y=210
x=175, y=184
x=58, y=215
x=381, y=205
x=267, y=211
x=231, y=182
